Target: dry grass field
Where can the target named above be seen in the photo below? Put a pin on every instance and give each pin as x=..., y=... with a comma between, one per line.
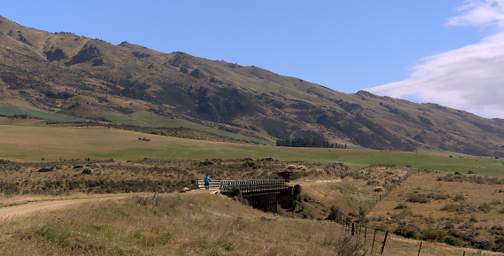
x=462, y=213
x=353, y=192
x=198, y=224
x=186, y=224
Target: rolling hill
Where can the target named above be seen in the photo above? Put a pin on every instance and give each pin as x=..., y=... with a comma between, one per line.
x=79, y=79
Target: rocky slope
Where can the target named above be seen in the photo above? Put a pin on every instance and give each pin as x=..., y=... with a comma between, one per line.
x=93, y=79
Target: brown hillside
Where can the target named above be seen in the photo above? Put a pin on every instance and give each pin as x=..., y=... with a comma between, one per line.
x=90, y=78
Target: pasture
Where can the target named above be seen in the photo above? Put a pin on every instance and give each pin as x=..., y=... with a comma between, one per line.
x=50, y=143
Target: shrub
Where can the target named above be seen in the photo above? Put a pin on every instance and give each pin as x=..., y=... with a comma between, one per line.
x=434, y=234
x=401, y=206
x=499, y=245
x=348, y=246
x=451, y=240
x=458, y=208
x=483, y=244
x=53, y=234
x=408, y=231
x=334, y=213
x=426, y=198
x=458, y=198
x=486, y=208
x=418, y=198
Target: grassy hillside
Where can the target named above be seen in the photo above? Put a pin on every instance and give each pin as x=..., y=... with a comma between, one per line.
x=33, y=143
x=149, y=119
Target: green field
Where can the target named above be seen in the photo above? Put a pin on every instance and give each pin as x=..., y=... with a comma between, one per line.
x=34, y=143
x=149, y=119
x=139, y=119
x=8, y=111
x=353, y=158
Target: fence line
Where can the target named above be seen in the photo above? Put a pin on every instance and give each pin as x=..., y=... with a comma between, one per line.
x=359, y=232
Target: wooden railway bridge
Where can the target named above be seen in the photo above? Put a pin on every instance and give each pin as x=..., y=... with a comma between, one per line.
x=263, y=194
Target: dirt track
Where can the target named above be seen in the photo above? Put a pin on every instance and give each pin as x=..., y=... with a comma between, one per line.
x=28, y=208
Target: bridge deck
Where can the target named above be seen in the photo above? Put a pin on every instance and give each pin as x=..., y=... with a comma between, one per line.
x=246, y=186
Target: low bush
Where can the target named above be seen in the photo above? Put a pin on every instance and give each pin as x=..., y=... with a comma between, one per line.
x=458, y=208
x=485, y=208
x=401, y=206
x=424, y=198
x=408, y=231
x=451, y=240
x=434, y=234
x=418, y=198
x=458, y=198
x=334, y=214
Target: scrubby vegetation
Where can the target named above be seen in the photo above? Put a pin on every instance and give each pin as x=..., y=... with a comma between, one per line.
x=455, y=209
x=147, y=175
x=471, y=178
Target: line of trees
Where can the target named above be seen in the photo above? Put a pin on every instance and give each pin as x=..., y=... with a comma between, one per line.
x=308, y=139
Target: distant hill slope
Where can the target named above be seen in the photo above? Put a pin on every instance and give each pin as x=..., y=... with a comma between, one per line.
x=92, y=79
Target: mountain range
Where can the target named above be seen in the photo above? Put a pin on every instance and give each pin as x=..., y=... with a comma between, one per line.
x=90, y=80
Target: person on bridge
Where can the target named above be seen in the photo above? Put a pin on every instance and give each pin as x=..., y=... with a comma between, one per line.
x=206, y=180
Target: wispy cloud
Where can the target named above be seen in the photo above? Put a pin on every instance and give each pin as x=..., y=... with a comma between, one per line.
x=469, y=78
x=479, y=13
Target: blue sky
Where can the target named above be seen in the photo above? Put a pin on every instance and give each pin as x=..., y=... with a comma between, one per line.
x=345, y=45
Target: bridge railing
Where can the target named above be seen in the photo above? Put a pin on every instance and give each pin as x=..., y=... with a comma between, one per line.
x=245, y=186
x=213, y=185
x=252, y=186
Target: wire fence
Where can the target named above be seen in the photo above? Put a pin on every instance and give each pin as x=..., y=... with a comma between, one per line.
x=381, y=242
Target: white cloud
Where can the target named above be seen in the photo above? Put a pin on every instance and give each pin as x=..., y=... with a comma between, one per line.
x=469, y=78
x=480, y=13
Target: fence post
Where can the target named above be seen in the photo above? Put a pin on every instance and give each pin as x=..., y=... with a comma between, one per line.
x=374, y=238
x=420, y=248
x=384, y=243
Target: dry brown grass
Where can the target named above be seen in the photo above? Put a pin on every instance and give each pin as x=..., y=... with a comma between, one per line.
x=169, y=225
x=141, y=176
x=350, y=191
x=187, y=224
x=451, y=208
